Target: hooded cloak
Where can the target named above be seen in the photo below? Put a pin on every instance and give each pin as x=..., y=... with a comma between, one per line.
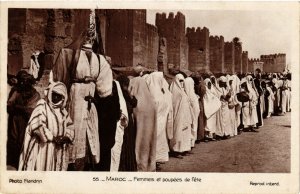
x=145, y=116
x=48, y=120
x=182, y=116
x=195, y=109
x=163, y=102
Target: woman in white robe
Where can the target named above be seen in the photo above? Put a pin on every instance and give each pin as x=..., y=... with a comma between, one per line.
x=249, y=108
x=225, y=121
x=238, y=104
x=270, y=100
x=145, y=117
x=162, y=99
x=182, y=116
x=217, y=92
x=195, y=109
x=212, y=106
x=34, y=65
x=285, y=96
x=232, y=104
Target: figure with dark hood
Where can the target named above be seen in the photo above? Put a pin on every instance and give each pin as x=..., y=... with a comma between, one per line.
x=85, y=72
x=257, y=85
x=128, y=158
x=21, y=102
x=202, y=118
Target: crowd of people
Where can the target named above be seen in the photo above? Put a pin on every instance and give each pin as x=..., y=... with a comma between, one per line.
x=91, y=120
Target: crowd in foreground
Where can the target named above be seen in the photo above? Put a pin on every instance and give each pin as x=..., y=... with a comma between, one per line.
x=140, y=124
x=91, y=120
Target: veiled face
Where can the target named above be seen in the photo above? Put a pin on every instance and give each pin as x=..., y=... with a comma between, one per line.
x=244, y=86
x=56, y=98
x=181, y=83
x=213, y=80
x=209, y=85
x=230, y=82
x=222, y=84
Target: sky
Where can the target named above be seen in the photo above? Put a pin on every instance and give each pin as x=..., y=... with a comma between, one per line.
x=261, y=32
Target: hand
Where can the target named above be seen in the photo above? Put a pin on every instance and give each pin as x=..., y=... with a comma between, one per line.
x=60, y=140
x=123, y=121
x=88, y=79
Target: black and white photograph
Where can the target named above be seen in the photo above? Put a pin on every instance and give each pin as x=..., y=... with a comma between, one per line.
x=151, y=91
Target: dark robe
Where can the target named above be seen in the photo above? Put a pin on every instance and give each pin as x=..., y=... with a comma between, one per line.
x=128, y=157
x=201, y=118
x=258, y=109
x=19, y=108
x=109, y=113
x=266, y=96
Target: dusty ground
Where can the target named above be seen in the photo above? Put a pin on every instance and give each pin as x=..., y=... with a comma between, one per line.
x=266, y=152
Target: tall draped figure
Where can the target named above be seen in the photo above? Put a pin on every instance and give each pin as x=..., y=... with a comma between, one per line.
x=163, y=101
x=145, y=116
x=182, y=116
x=84, y=72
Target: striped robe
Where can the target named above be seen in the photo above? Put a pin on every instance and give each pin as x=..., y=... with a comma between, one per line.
x=39, y=152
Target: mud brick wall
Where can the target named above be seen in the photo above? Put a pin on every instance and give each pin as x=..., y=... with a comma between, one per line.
x=216, y=54
x=58, y=33
x=238, y=58
x=229, y=57
x=152, y=39
x=245, y=62
x=162, y=57
x=274, y=62
x=173, y=29
x=26, y=34
x=198, y=40
x=119, y=41
x=255, y=63
x=139, y=37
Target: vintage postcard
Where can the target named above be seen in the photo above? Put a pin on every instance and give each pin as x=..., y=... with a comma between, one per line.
x=149, y=97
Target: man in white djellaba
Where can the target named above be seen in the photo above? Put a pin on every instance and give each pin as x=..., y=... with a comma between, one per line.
x=84, y=71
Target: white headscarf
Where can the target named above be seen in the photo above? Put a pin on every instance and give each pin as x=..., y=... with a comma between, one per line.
x=189, y=85
x=211, y=101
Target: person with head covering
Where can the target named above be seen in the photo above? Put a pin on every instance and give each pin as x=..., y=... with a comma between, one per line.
x=163, y=101
x=195, y=109
x=212, y=105
x=201, y=118
x=238, y=104
x=86, y=73
x=182, y=117
x=256, y=84
x=285, y=93
x=249, y=108
x=276, y=91
x=225, y=129
x=128, y=158
x=269, y=99
x=112, y=118
x=21, y=101
x=232, y=103
x=49, y=133
x=289, y=91
x=145, y=117
x=34, y=65
x=217, y=92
